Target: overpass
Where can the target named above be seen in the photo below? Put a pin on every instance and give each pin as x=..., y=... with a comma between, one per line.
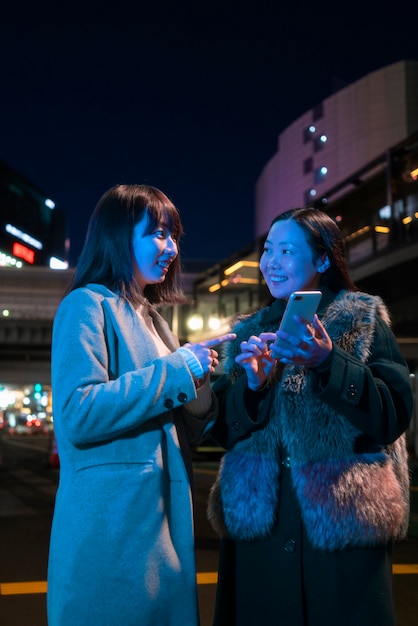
x=29, y=299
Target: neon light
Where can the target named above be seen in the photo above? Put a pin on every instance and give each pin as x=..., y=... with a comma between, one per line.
x=23, y=236
x=23, y=252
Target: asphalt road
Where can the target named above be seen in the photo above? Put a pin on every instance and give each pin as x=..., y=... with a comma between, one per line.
x=27, y=491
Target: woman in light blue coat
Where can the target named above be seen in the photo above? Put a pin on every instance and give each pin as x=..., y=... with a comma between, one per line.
x=128, y=401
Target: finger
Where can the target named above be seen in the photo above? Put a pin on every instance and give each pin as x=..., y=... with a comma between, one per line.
x=308, y=338
x=268, y=336
x=215, y=341
x=251, y=347
x=320, y=331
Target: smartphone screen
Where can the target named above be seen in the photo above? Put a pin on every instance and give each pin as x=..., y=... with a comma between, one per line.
x=303, y=303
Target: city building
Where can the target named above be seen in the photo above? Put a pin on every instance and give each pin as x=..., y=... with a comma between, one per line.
x=32, y=228
x=339, y=137
x=355, y=155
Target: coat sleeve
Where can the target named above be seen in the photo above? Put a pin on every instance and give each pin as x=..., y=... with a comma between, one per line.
x=234, y=421
x=376, y=396
x=92, y=401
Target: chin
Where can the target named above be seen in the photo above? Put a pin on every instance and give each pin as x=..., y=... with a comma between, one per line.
x=280, y=294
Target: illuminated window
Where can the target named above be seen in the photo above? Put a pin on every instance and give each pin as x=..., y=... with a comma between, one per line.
x=310, y=195
x=320, y=142
x=320, y=174
x=308, y=133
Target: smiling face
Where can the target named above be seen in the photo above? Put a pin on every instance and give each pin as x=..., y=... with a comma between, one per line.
x=287, y=262
x=153, y=252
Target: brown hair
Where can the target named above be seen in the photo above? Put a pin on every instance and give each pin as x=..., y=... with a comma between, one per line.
x=107, y=256
x=323, y=237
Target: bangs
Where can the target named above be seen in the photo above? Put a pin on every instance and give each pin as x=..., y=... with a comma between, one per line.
x=162, y=211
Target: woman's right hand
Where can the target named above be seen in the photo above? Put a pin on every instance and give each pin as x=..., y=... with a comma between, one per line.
x=256, y=359
x=204, y=352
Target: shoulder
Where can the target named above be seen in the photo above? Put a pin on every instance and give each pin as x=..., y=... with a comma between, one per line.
x=358, y=303
x=85, y=304
x=89, y=296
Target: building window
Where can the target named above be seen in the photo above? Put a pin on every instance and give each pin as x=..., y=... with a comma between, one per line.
x=308, y=133
x=320, y=142
x=318, y=112
x=320, y=174
x=308, y=165
x=310, y=196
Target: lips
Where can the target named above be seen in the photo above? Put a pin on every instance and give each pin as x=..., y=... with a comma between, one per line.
x=164, y=264
x=278, y=279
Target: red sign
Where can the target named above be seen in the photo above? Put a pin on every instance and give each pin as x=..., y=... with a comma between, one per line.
x=23, y=252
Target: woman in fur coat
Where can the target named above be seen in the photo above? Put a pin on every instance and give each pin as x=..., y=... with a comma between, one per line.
x=314, y=486
x=127, y=403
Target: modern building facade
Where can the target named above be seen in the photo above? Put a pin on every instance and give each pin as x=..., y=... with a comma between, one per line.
x=338, y=137
x=32, y=228
x=355, y=155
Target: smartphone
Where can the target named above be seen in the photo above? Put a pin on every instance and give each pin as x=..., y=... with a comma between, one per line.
x=303, y=303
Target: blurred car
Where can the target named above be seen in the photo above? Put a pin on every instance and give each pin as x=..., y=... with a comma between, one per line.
x=22, y=423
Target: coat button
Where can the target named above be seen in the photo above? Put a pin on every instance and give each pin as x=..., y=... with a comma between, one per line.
x=286, y=461
x=168, y=403
x=290, y=545
x=182, y=397
x=351, y=390
x=235, y=425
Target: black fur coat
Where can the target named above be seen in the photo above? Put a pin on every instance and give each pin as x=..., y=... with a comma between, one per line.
x=348, y=498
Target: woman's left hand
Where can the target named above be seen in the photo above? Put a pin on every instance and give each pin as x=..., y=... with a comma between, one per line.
x=256, y=360
x=309, y=349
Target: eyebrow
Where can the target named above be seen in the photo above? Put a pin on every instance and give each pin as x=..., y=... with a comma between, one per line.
x=283, y=243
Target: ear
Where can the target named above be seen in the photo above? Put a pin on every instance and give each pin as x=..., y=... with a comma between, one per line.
x=323, y=264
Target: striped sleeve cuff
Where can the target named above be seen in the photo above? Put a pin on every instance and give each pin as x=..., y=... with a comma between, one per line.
x=192, y=361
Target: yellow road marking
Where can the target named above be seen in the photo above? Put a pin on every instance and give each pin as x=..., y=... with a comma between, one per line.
x=207, y=578
x=17, y=589
x=203, y=578
x=405, y=568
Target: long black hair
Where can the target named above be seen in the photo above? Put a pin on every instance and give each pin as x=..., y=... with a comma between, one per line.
x=323, y=237
x=107, y=255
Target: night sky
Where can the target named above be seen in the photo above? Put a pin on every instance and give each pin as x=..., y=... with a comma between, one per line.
x=188, y=96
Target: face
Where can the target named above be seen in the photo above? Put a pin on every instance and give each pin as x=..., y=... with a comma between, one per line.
x=153, y=253
x=287, y=261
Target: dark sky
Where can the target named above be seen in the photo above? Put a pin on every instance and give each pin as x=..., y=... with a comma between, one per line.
x=187, y=96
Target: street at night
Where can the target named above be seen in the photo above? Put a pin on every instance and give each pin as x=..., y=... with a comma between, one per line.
x=27, y=490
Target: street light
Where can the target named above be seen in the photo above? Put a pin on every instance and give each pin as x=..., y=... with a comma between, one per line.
x=195, y=322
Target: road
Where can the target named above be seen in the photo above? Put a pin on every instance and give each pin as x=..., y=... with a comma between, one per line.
x=27, y=491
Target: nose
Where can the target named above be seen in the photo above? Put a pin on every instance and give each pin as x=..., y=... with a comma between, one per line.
x=273, y=262
x=171, y=246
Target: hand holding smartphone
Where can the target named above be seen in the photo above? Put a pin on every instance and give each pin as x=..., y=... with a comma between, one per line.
x=303, y=303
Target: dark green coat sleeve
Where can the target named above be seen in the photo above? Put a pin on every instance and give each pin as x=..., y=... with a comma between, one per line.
x=235, y=420
x=375, y=396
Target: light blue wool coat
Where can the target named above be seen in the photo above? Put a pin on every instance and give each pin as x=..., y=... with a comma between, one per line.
x=122, y=546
